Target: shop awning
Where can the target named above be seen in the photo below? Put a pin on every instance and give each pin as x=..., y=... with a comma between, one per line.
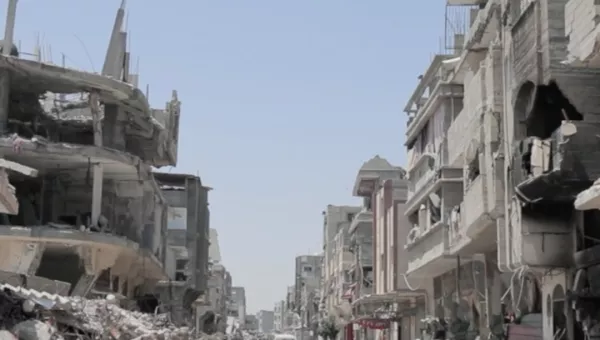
x=391, y=297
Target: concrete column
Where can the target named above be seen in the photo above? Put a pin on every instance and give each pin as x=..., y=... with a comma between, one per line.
x=98, y=178
x=493, y=294
x=114, y=127
x=85, y=284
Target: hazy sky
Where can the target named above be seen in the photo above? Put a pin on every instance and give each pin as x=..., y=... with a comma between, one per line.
x=282, y=101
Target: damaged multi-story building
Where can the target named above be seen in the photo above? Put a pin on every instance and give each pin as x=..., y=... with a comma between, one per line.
x=219, y=286
x=238, y=303
x=502, y=137
x=550, y=128
x=82, y=213
x=185, y=293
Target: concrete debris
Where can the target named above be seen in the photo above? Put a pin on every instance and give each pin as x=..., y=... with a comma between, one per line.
x=6, y=335
x=25, y=318
x=33, y=330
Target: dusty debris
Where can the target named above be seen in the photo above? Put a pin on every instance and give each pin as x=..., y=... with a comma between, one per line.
x=33, y=330
x=26, y=317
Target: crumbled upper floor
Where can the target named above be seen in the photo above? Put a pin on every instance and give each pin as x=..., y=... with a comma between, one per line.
x=54, y=104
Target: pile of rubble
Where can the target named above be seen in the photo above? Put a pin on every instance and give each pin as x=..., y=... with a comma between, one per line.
x=31, y=315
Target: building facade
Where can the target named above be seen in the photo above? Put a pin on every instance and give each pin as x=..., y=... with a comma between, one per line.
x=219, y=284
x=266, y=321
x=238, y=302
x=188, y=221
x=337, y=257
x=551, y=108
x=380, y=231
x=279, y=311
x=251, y=323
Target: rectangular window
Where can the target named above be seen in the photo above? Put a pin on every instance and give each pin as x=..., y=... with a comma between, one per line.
x=181, y=264
x=307, y=269
x=177, y=218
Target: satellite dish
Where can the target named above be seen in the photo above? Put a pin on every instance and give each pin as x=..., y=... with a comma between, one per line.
x=567, y=128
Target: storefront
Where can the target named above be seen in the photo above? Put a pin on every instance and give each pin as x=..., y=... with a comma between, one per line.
x=391, y=316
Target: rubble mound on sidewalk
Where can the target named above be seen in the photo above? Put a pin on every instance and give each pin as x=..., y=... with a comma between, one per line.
x=31, y=315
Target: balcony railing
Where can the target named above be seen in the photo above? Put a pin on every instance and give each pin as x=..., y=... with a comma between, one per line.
x=362, y=224
x=466, y=128
x=483, y=202
x=427, y=254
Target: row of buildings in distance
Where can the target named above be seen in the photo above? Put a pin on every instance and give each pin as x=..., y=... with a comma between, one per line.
x=489, y=231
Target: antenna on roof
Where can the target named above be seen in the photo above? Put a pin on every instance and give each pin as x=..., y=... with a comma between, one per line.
x=49, y=53
x=37, y=49
x=148, y=92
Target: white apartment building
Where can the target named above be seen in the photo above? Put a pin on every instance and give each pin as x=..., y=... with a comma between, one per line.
x=337, y=256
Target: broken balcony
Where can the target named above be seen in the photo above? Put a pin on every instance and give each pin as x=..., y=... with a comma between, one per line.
x=426, y=176
x=473, y=225
x=583, y=32
x=479, y=120
x=428, y=254
x=558, y=168
x=555, y=159
x=485, y=23
x=427, y=245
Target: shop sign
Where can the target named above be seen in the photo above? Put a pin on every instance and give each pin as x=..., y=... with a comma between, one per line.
x=374, y=323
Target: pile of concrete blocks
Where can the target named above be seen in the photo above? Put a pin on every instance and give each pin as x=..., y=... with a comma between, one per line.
x=32, y=315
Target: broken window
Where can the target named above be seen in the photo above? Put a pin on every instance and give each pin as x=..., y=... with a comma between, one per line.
x=540, y=110
x=473, y=169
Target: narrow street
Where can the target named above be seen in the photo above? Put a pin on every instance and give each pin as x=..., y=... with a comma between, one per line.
x=486, y=227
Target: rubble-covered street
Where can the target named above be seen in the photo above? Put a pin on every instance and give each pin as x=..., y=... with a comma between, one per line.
x=32, y=315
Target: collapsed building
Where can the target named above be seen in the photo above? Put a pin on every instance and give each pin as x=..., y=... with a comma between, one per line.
x=81, y=213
